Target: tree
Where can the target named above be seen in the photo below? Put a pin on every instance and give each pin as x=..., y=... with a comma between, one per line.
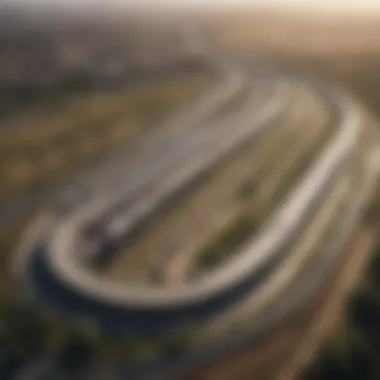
x=363, y=311
x=24, y=331
x=76, y=354
x=350, y=360
x=359, y=358
x=174, y=344
x=328, y=366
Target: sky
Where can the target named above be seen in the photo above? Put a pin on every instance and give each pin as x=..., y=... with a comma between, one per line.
x=341, y=6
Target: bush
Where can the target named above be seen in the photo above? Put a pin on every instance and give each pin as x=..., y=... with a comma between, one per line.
x=363, y=311
x=24, y=332
x=328, y=366
x=351, y=361
x=357, y=355
x=76, y=354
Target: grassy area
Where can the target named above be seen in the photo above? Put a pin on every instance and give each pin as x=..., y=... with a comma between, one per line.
x=40, y=148
x=224, y=242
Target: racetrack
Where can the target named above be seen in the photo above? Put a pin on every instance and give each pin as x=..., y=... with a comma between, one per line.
x=138, y=182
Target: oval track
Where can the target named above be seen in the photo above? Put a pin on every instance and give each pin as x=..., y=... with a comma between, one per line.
x=138, y=182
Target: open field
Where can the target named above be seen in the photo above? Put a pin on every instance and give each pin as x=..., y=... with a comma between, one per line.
x=45, y=146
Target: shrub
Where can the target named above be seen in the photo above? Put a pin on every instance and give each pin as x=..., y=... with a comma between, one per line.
x=328, y=366
x=363, y=312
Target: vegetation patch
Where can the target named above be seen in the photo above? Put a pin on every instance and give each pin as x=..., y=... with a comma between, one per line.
x=226, y=241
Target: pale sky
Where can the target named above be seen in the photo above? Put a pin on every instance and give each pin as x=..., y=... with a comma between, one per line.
x=342, y=6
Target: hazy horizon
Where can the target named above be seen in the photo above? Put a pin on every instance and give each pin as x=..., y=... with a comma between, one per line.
x=341, y=7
